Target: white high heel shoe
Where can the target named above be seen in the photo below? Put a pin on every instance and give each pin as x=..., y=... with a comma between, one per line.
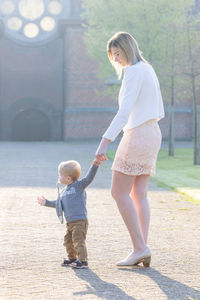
x=133, y=259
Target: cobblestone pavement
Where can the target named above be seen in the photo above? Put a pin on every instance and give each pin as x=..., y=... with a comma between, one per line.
x=31, y=236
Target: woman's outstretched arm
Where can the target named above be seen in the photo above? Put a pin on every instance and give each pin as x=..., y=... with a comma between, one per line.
x=102, y=148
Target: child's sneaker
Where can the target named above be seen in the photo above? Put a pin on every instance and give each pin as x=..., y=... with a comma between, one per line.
x=79, y=264
x=67, y=262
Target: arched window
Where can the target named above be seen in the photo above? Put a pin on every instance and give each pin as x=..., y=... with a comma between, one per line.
x=33, y=20
x=31, y=125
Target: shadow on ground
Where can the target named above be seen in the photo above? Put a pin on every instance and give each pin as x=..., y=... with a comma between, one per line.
x=98, y=287
x=173, y=289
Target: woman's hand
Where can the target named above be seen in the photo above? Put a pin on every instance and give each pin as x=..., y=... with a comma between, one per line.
x=101, y=150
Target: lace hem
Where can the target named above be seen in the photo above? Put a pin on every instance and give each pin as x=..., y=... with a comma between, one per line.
x=130, y=168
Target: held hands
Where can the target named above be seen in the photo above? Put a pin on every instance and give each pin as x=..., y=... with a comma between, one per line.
x=41, y=200
x=97, y=161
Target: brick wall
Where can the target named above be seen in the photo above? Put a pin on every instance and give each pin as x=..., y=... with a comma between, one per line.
x=87, y=111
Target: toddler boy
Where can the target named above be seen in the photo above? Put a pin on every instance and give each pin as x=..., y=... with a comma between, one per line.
x=72, y=201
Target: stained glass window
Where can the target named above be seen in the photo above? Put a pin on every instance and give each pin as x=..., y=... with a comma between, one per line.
x=33, y=20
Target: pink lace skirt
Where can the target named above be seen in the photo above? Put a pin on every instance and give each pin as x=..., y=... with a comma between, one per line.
x=138, y=149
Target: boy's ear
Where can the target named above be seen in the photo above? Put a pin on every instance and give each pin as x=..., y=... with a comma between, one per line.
x=69, y=177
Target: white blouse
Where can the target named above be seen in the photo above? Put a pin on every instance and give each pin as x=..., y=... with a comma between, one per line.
x=140, y=100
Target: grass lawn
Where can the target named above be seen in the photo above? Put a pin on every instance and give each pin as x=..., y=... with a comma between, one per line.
x=177, y=173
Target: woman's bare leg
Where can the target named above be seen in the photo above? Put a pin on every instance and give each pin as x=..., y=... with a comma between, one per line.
x=121, y=189
x=139, y=196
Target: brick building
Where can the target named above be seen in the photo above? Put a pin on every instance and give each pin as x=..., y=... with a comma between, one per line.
x=48, y=84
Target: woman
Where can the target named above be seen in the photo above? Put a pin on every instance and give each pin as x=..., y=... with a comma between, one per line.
x=140, y=108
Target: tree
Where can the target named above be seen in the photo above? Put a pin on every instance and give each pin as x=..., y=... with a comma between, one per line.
x=192, y=29
x=173, y=24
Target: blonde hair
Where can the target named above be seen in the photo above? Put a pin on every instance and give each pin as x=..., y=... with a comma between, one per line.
x=125, y=42
x=70, y=168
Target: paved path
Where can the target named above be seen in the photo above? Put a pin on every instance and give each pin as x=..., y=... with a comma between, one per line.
x=31, y=237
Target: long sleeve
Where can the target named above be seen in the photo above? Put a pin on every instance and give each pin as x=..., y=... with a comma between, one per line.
x=84, y=182
x=130, y=90
x=50, y=203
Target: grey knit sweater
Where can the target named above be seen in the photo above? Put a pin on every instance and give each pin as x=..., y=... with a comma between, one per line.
x=72, y=200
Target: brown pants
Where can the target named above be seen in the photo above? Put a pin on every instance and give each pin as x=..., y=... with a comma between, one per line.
x=74, y=240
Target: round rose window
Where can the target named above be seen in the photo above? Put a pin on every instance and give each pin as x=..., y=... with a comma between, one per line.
x=33, y=20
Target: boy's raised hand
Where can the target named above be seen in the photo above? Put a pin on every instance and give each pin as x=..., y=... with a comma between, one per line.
x=97, y=161
x=41, y=200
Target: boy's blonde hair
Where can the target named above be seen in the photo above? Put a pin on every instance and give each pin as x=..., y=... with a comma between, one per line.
x=125, y=42
x=70, y=168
